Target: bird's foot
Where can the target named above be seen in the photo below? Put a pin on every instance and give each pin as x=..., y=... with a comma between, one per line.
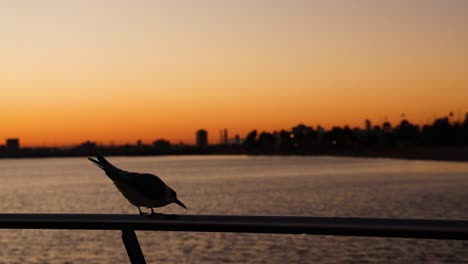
x=153, y=213
x=142, y=213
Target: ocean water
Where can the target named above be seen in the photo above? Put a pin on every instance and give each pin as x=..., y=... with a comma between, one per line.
x=312, y=186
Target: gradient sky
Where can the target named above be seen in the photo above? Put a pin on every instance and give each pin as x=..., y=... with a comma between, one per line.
x=117, y=71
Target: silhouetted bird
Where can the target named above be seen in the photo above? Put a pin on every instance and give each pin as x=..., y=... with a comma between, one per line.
x=140, y=189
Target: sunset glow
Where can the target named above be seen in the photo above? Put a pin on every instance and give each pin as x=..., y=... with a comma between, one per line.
x=118, y=71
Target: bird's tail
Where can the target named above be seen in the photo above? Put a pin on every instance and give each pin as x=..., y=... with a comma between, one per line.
x=105, y=165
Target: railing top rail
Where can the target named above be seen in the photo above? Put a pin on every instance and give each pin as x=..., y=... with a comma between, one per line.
x=377, y=227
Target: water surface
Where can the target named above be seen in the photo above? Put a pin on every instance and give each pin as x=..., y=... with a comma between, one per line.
x=312, y=186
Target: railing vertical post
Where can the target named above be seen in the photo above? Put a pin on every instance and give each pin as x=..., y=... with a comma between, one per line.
x=132, y=246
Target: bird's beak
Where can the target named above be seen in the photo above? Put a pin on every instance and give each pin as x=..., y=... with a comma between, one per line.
x=180, y=203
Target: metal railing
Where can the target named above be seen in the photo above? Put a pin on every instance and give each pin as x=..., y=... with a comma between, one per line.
x=371, y=227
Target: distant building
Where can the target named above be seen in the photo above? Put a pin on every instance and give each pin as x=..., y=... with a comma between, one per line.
x=301, y=129
x=237, y=140
x=441, y=122
x=387, y=127
x=139, y=143
x=202, y=138
x=368, y=125
x=321, y=134
x=225, y=137
x=86, y=148
x=12, y=144
x=162, y=145
x=88, y=144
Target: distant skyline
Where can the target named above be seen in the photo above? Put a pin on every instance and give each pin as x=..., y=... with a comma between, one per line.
x=119, y=71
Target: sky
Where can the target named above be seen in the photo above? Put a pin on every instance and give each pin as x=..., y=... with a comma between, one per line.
x=118, y=71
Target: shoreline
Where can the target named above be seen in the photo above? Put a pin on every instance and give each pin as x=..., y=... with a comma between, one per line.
x=454, y=154
x=419, y=153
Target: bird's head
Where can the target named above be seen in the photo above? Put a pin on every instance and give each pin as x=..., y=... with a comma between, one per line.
x=175, y=200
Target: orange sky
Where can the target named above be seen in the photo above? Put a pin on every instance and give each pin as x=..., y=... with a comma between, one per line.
x=118, y=71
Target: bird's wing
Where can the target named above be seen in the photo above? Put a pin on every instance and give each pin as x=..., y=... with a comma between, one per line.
x=148, y=185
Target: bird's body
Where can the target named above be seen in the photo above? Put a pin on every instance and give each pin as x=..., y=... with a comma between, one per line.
x=140, y=189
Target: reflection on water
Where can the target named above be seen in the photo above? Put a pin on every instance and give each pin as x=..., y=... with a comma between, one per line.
x=314, y=186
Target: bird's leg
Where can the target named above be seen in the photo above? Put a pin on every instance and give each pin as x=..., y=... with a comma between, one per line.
x=141, y=213
x=153, y=213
